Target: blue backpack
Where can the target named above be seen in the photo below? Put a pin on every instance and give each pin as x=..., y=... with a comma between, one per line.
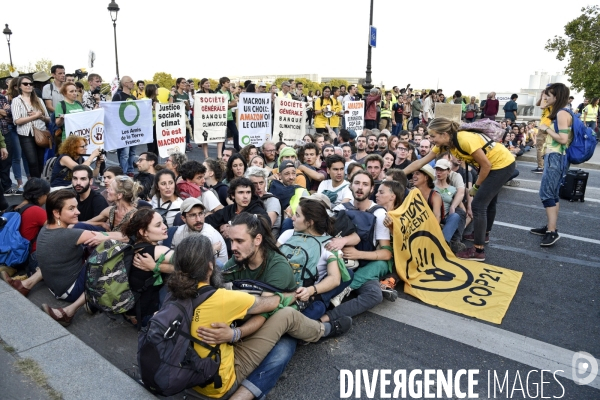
x=14, y=248
x=584, y=141
x=303, y=253
x=364, y=222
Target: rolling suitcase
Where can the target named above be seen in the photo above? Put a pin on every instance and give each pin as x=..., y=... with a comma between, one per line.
x=573, y=188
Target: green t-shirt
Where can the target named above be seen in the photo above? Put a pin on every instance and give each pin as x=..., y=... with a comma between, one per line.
x=230, y=98
x=181, y=98
x=277, y=272
x=71, y=109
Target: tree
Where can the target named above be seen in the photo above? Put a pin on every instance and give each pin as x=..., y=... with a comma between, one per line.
x=582, y=49
x=163, y=80
x=40, y=65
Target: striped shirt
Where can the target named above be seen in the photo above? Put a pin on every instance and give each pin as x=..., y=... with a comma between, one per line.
x=20, y=110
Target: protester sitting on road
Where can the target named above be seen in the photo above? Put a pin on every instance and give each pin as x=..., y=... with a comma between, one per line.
x=194, y=269
x=109, y=174
x=90, y=203
x=147, y=165
x=311, y=219
x=236, y=167
x=452, y=221
x=165, y=196
x=69, y=105
x=147, y=227
x=122, y=192
x=257, y=161
x=402, y=153
x=174, y=161
x=244, y=198
x=71, y=153
x=33, y=218
x=213, y=179
x=63, y=271
x=352, y=169
x=554, y=166
x=259, y=176
x=496, y=166
x=392, y=142
x=249, y=152
x=390, y=194
x=191, y=184
x=289, y=154
x=388, y=162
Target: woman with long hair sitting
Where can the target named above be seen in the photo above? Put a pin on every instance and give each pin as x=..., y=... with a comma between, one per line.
x=165, y=195
x=71, y=153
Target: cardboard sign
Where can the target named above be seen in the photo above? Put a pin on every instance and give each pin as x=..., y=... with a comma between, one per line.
x=89, y=124
x=210, y=118
x=290, y=121
x=254, y=118
x=355, y=118
x=170, y=128
x=450, y=111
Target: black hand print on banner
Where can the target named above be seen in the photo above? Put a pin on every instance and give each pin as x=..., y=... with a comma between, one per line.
x=438, y=274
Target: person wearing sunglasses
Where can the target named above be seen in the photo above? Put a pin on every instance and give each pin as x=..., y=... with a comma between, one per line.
x=28, y=112
x=71, y=154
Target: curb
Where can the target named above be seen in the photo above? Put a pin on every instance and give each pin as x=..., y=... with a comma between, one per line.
x=73, y=368
x=585, y=165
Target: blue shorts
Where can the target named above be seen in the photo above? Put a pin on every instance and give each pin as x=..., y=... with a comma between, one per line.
x=75, y=290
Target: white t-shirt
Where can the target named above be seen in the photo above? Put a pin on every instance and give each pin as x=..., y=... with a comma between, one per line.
x=209, y=200
x=215, y=237
x=381, y=232
x=456, y=180
x=321, y=264
x=342, y=194
x=173, y=210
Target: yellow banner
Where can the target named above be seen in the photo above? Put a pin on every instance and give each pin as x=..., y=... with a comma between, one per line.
x=436, y=276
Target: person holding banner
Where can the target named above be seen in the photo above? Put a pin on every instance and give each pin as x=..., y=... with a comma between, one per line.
x=232, y=129
x=69, y=105
x=495, y=164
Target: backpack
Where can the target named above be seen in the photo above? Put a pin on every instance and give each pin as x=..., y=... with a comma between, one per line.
x=303, y=253
x=14, y=248
x=582, y=145
x=48, y=168
x=163, y=212
x=107, y=278
x=333, y=194
x=166, y=356
x=364, y=223
x=489, y=130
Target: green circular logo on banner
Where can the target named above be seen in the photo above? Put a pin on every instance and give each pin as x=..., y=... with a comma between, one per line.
x=245, y=140
x=122, y=113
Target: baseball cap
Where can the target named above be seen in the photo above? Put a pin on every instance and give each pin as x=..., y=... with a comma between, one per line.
x=352, y=133
x=286, y=164
x=443, y=164
x=322, y=198
x=262, y=84
x=190, y=203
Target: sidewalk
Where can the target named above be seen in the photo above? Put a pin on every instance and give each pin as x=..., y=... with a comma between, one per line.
x=72, y=368
x=592, y=163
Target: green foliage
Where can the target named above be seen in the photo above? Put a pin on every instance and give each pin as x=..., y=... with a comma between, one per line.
x=40, y=65
x=581, y=47
x=163, y=80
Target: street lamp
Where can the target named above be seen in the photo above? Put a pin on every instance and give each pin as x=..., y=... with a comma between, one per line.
x=367, y=85
x=7, y=32
x=113, y=8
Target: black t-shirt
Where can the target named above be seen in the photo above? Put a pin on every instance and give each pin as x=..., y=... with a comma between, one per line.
x=92, y=206
x=121, y=96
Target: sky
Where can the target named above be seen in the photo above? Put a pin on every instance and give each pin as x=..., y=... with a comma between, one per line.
x=476, y=48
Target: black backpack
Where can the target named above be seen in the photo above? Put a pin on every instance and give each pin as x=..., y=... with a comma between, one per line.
x=166, y=356
x=364, y=224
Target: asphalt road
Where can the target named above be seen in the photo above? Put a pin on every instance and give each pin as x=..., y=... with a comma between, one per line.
x=553, y=314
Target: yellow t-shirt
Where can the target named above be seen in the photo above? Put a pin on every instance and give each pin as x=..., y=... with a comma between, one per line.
x=592, y=113
x=223, y=306
x=321, y=120
x=498, y=155
x=544, y=120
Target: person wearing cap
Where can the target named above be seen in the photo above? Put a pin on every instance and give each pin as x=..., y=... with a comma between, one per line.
x=40, y=79
x=261, y=87
x=285, y=90
x=193, y=214
x=453, y=223
x=289, y=154
x=287, y=191
x=259, y=177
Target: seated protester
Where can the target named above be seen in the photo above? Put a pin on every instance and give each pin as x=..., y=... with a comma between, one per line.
x=191, y=184
x=165, y=196
x=352, y=169
x=312, y=166
x=337, y=189
x=374, y=166
x=459, y=203
x=174, y=161
x=70, y=105
x=244, y=198
x=391, y=194
x=361, y=150
x=193, y=214
x=70, y=155
x=236, y=167
x=322, y=281
x=259, y=177
x=213, y=178
x=64, y=270
x=122, y=192
x=288, y=192
x=33, y=218
x=109, y=174
x=268, y=151
x=90, y=203
x=326, y=151
x=147, y=228
x=289, y=154
x=146, y=165
x=248, y=152
x=388, y=162
x=257, y=161
x=193, y=270
x=366, y=278
x=452, y=221
x=227, y=153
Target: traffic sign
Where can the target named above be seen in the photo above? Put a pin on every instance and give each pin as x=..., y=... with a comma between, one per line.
x=372, y=36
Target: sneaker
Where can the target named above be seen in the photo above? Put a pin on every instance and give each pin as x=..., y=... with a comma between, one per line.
x=388, y=289
x=337, y=300
x=20, y=190
x=538, y=170
x=513, y=183
x=471, y=237
x=457, y=246
x=339, y=327
x=549, y=239
x=471, y=254
x=11, y=191
x=539, y=231
x=301, y=305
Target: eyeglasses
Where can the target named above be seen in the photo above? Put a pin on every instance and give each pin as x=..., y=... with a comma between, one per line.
x=26, y=83
x=269, y=151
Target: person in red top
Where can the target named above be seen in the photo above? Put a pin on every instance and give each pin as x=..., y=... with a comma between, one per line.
x=33, y=217
x=491, y=106
x=373, y=99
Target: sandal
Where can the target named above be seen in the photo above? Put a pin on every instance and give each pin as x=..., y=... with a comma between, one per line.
x=16, y=284
x=64, y=319
x=131, y=319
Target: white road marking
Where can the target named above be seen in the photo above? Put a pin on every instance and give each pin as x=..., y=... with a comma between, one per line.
x=537, y=191
x=519, y=348
x=564, y=235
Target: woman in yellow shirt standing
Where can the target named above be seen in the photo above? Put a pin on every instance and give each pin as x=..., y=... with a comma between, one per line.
x=495, y=164
x=590, y=114
x=325, y=110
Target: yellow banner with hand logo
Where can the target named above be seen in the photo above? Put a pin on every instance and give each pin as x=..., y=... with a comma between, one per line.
x=436, y=276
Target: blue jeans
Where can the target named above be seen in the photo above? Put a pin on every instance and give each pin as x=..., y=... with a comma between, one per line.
x=317, y=308
x=591, y=124
x=15, y=154
x=126, y=157
x=451, y=223
x=263, y=379
x=554, y=170
x=415, y=122
x=397, y=128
